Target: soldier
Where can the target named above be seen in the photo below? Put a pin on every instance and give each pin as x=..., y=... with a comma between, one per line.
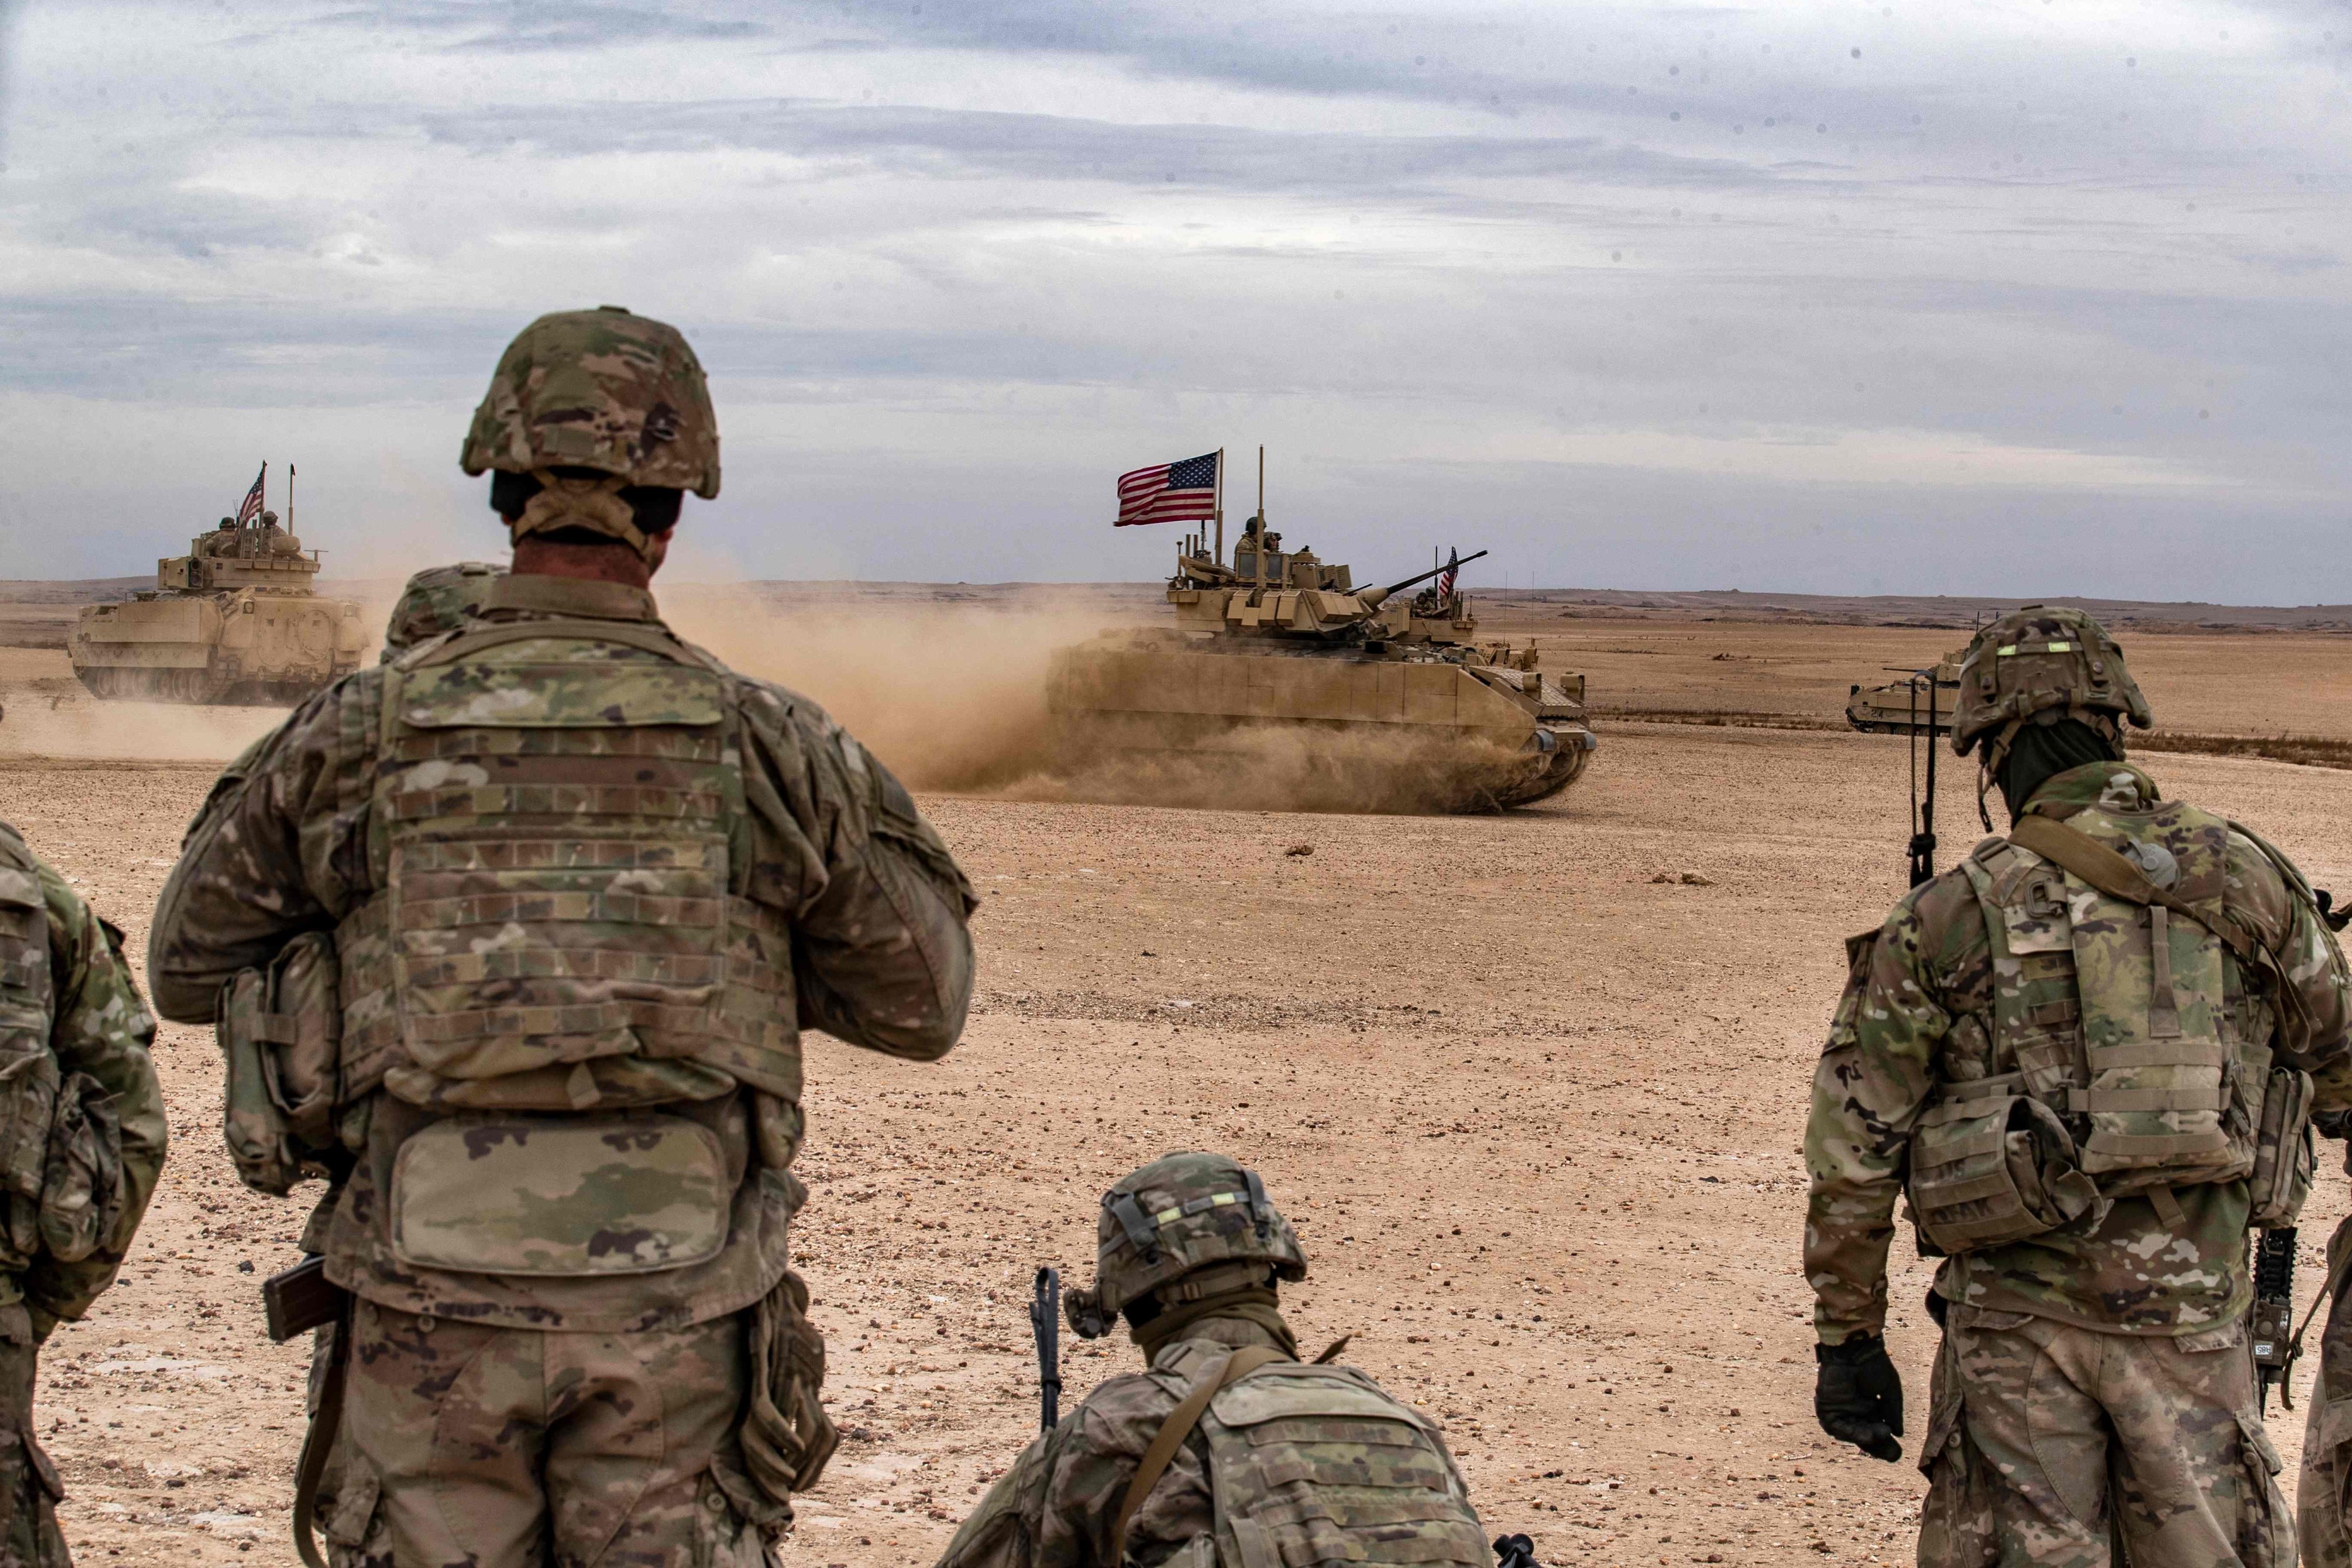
x=515, y=935
x=2087, y=1052
x=436, y=600
x=82, y=1147
x=1313, y=1463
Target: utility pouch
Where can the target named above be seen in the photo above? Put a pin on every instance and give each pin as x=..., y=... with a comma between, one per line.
x=2285, y=1159
x=1990, y=1166
x=560, y=1196
x=279, y=1031
x=253, y=1113
x=82, y=1185
x=786, y=1435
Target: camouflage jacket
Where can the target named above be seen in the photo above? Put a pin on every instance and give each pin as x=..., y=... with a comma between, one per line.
x=829, y=843
x=1917, y=1012
x=83, y=1008
x=1057, y=1506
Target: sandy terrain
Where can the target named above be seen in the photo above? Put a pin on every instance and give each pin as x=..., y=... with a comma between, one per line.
x=1535, y=1116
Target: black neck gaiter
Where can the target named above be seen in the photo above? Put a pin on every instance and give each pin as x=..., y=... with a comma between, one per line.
x=2041, y=752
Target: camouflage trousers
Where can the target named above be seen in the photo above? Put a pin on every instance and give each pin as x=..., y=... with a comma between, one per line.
x=29, y=1490
x=2049, y=1447
x=515, y=1448
x=2321, y=1495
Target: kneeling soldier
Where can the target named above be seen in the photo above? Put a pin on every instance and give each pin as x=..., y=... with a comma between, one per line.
x=1229, y=1450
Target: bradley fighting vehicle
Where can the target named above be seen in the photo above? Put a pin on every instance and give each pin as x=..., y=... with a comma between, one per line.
x=234, y=620
x=1904, y=707
x=1363, y=681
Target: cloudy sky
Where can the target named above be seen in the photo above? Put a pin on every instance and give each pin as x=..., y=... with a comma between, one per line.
x=1992, y=296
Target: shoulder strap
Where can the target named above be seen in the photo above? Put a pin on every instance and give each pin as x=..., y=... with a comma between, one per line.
x=2113, y=875
x=1178, y=1426
x=644, y=635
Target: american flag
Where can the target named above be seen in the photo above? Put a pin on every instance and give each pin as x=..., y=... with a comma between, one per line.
x=1445, y=578
x=251, y=507
x=1169, y=492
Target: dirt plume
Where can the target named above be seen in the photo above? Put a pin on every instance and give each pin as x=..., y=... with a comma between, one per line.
x=954, y=698
x=950, y=697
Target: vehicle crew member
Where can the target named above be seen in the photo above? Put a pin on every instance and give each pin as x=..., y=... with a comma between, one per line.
x=2088, y=1053
x=1312, y=1462
x=81, y=1143
x=522, y=927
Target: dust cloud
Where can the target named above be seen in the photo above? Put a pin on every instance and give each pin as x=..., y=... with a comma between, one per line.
x=951, y=697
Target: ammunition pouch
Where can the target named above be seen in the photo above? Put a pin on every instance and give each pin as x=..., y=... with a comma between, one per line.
x=786, y=1438
x=281, y=1032
x=2285, y=1159
x=1989, y=1166
x=82, y=1185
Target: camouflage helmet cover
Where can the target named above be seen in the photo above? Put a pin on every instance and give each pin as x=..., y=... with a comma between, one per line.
x=436, y=600
x=1181, y=1214
x=2044, y=659
x=599, y=389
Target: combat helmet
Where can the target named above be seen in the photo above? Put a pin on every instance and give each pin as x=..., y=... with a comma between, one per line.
x=1183, y=1215
x=2036, y=666
x=604, y=390
x=437, y=600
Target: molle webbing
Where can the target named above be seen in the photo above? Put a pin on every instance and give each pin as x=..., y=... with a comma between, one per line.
x=2149, y=1084
x=2110, y=873
x=1175, y=1429
x=559, y=894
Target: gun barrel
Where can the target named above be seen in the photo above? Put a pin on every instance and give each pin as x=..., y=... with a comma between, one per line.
x=1376, y=595
x=1045, y=1322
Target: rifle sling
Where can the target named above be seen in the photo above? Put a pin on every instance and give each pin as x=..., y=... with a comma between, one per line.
x=1172, y=1433
x=318, y=1442
x=2111, y=874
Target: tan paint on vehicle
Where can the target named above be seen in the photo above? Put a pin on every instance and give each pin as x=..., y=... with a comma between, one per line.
x=1281, y=640
x=234, y=620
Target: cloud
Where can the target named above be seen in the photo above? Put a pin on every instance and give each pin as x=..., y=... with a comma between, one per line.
x=1639, y=291
x=979, y=144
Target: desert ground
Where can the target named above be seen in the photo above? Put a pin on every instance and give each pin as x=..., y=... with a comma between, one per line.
x=1531, y=1094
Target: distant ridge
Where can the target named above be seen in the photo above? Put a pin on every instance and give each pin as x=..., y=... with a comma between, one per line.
x=35, y=613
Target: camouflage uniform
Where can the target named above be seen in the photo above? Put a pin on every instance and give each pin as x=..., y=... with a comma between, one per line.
x=436, y=600
x=585, y=887
x=2325, y=1488
x=1326, y=1468
x=81, y=1143
x=2094, y=1378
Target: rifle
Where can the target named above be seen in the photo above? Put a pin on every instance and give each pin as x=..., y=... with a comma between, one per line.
x=1515, y=1551
x=2273, y=1316
x=1045, y=1322
x=1923, y=810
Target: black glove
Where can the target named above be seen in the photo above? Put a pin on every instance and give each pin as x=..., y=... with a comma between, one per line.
x=1858, y=1399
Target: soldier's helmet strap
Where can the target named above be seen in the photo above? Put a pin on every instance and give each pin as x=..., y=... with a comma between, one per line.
x=1260, y=1210
x=1141, y=1233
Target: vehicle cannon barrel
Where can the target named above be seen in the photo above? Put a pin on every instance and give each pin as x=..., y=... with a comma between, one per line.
x=1375, y=596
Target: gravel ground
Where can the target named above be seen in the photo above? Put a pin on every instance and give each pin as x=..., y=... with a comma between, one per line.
x=1535, y=1114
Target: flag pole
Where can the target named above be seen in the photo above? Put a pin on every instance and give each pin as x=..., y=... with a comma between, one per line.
x=1261, y=485
x=289, y=497
x=1219, y=508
